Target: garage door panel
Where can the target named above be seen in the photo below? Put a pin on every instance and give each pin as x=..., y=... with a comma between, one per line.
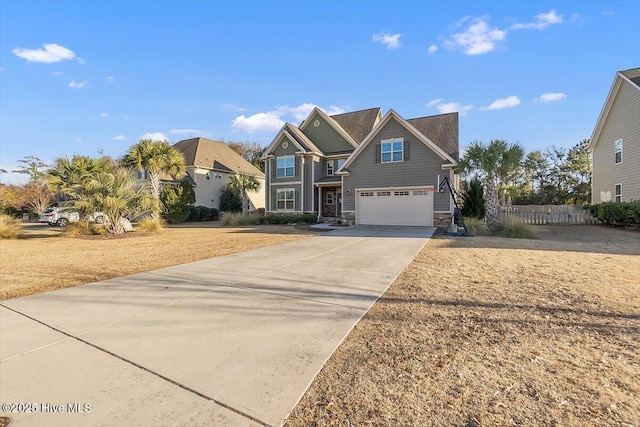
x=395, y=207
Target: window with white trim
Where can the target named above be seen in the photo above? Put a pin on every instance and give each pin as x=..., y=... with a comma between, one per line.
x=383, y=193
x=618, y=150
x=329, y=197
x=285, y=166
x=329, y=167
x=419, y=193
x=618, y=193
x=400, y=193
x=392, y=150
x=366, y=194
x=285, y=199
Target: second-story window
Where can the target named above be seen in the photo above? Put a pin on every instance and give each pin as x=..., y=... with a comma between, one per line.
x=329, y=167
x=618, y=150
x=392, y=151
x=285, y=166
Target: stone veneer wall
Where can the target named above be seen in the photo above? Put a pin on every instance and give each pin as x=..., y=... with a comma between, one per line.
x=442, y=220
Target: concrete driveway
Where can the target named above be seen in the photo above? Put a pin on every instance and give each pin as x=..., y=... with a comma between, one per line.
x=233, y=340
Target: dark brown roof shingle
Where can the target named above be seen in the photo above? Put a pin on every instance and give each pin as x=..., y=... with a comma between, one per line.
x=358, y=124
x=442, y=130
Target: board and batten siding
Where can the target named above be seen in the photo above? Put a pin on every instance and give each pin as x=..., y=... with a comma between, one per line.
x=622, y=122
x=422, y=169
x=325, y=137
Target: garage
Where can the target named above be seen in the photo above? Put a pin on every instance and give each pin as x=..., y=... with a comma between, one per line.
x=395, y=206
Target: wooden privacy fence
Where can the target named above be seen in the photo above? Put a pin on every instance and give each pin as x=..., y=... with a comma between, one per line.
x=549, y=214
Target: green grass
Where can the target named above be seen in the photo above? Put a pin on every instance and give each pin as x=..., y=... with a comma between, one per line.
x=512, y=228
x=9, y=227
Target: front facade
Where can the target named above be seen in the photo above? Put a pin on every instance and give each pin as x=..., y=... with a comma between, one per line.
x=615, y=143
x=210, y=165
x=363, y=168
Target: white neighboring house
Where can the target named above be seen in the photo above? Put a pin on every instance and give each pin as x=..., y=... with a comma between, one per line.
x=210, y=164
x=615, y=143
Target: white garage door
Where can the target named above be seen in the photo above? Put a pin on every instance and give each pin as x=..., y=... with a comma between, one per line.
x=394, y=207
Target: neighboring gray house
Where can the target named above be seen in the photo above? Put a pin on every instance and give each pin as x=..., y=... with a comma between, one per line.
x=364, y=168
x=615, y=143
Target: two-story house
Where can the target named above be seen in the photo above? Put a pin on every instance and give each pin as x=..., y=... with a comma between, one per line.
x=615, y=143
x=364, y=168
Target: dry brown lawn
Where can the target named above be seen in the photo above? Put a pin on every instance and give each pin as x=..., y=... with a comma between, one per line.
x=44, y=260
x=488, y=331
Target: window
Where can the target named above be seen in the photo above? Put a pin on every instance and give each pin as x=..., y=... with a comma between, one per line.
x=341, y=162
x=285, y=166
x=383, y=193
x=618, y=150
x=400, y=193
x=420, y=193
x=618, y=193
x=366, y=194
x=328, y=198
x=285, y=199
x=329, y=167
x=391, y=151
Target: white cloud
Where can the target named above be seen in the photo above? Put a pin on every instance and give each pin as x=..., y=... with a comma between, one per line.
x=508, y=102
x=434, y=102
x=57, y=73
x=476, y=39
x=260, y=122
x=119, y=138
x=78, y=85
x=154, y=136
x=104, y=115
x=273, y=120
x=452, y=107
x=110, y=79
x=433, y=49
x=391, y=40
x=542, y=21
x=551, y=96
x=51, y=53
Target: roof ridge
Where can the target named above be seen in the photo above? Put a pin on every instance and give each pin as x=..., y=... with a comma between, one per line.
x=435, y=115
x=357, y=111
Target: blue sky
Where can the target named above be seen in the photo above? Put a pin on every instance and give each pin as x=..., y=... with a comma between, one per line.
x=91, y=77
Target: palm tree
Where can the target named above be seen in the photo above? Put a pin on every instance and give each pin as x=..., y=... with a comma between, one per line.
x=494, y=163
x=66, y=176
x=244, y=183
x=117, y=194
x=156, y=158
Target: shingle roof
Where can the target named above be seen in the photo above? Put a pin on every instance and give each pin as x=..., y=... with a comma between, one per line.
x=208, y=154
x=358, y=124
x=632, y=74
x=442, y=130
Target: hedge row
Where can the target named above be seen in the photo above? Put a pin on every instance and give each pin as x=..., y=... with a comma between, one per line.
x=203, y=213
x=289, y=219
x=617, y=213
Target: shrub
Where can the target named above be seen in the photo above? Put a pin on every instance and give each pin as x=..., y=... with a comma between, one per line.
x=613, y=213
x=476, y=226
x=474, y=200
x=205, y=213
x=175, y=203
x=9, y=227
x=151, y=225
x=237, y=219
x=513, y=228
x=289, y=218
x=194, y=213
x=82, y=228
x=230, y=200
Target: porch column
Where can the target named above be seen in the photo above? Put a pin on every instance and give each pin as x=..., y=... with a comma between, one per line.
x=319, y=202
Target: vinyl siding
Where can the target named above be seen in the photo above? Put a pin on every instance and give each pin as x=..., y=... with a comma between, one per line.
x=622, y=122
x=291, y=148
x=325, y=137
x=296, y=187
x=422, y=168
x=308, y=183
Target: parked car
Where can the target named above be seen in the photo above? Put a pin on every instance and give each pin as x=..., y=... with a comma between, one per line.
x=97, y=217
x=59, y=216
